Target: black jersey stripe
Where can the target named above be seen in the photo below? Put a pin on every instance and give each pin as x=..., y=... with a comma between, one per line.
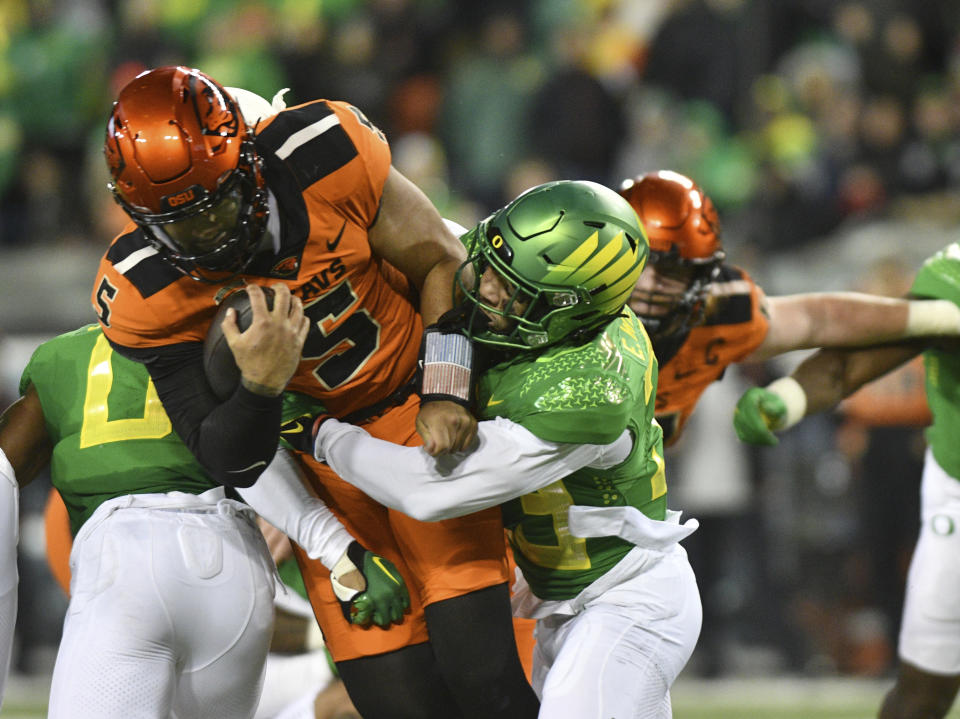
x=321, y=147
x=146, y=271
x=730, y=308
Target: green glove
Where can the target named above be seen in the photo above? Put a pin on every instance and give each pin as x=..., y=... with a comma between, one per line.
x=758, y=411
x=386, y=596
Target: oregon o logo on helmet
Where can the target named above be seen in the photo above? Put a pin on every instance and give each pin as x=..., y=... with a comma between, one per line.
x=942, y=525
x=497, y=241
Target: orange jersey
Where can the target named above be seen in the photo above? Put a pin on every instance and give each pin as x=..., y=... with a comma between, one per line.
x=734, y=326
x=325, y=166
x=898, y=398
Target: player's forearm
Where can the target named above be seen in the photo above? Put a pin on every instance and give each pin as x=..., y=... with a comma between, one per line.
x=436, y=296
x=508, y=462
x=234, y=440
x=402, y=478
x=852, y=319
x=823, y=380
x=281, y=497
x=829, y=376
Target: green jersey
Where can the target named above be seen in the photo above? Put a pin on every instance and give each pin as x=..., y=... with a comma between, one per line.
x=584, y=394
x=939, y=278
x=110, y=433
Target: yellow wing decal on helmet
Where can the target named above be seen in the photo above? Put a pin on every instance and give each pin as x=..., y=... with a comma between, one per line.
x=622, y=280
x=595, y=264
x=572, y=263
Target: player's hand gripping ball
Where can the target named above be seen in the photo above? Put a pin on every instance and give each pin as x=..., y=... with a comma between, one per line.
x=221, y=369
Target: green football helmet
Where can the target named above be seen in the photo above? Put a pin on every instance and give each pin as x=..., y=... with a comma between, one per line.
x=571, y=253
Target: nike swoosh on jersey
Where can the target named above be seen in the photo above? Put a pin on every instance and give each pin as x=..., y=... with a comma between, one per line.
x=292, y=429
x=332, y=244
x=379, y=563
x=261, y=463
x=494, y=402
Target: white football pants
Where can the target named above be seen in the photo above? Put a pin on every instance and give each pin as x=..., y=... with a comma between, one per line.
x=930, y=630
x=617, y=657
x=171, y=612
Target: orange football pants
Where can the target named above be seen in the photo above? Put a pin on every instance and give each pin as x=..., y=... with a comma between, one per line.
x=56, y=526
x=438, y=560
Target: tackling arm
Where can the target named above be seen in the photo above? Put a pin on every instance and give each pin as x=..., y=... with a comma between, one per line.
x=817, y=384
x=368, y=586
x=410, y=234
x=281, y=497
x=508, y=461
x=851, y=319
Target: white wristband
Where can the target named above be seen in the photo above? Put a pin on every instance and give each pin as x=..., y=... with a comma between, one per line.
x=932, y=317
x=793, y=396
x=341, y=567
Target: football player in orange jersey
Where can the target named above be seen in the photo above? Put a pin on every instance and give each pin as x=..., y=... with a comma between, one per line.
x=704, y=314
x=307, y=202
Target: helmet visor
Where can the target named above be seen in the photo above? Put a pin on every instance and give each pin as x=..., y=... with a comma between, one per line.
x=207, y=229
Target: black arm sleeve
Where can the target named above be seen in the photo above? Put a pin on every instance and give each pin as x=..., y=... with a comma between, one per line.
x=233, y=440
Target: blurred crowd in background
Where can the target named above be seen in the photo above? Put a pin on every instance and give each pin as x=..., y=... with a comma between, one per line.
x=827, y=132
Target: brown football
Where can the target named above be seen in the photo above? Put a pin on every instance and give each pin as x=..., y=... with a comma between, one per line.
x=221, y=369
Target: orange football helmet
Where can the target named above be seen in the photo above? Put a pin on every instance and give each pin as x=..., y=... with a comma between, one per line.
x=184, y=168
x=684, y=232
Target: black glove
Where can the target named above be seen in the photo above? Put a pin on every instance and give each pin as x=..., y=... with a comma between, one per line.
x=300, y=433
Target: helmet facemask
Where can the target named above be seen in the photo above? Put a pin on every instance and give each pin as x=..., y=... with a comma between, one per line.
x=672, y=313
x=218, y=234
x=685, y=252
x=528, y=314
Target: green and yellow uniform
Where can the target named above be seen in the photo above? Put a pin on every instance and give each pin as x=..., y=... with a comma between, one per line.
x=939, y=278
x=581, y=394
x=110, y=433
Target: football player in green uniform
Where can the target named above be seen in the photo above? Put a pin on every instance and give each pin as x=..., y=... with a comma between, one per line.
x=929, y=645
x=172, y=587
x=569, y=447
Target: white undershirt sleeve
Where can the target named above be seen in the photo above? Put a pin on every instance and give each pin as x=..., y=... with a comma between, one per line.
x=280, y=496
x=508, y=461
x=9, y=536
